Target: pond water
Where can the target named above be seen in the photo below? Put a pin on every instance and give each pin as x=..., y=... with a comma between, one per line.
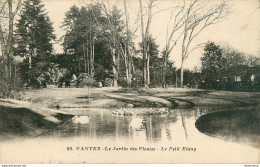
x=150, y=135
x=101, y=123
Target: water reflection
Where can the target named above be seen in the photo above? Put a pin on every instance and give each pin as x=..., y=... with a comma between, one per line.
x=102, y=124
x=105, y=130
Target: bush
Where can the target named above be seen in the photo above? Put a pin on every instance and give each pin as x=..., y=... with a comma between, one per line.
x=85, y=82
x=136, y=83
x=108, y=82
x=122, y=82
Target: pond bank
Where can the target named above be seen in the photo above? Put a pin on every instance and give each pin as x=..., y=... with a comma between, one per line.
x=25, y=119
x=239, y=125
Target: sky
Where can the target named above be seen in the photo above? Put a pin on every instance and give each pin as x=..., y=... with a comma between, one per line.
x=241, y=30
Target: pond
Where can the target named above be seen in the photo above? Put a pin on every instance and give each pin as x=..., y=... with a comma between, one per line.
x=101, y=123
x=150, y=135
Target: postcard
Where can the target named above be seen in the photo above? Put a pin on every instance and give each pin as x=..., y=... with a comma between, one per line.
x=129, y=82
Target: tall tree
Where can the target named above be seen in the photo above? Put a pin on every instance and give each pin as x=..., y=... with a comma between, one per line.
x=128, y=48
x=145, y=31
x=152, y=53
x=212, y=64
x=34, y=33
x=7, y=16
x=82, y=31
x=198, y=16
x=173, y=33
x=114, y=35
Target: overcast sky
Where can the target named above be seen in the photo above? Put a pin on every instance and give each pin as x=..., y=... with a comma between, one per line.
x=240, y=30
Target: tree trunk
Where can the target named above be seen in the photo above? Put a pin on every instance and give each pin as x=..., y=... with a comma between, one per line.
x=176, y=80
x=129, y=80
x=127, y=49
x=115, y=72
x=148, y=69
x=181, y=75
x=144, y=69
x=164, y=70
x=6, y=45
x=84, y=57
x=127, y=68
x=154, y=73
x=15, y=78
x=183, y=54
x=130, y=70
x=6, y=84
x=93, y=57
x=144, y=45
x=79, y=66
x=88, y=58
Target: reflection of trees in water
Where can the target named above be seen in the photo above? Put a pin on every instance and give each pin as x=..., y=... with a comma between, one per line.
x=155, y=125
x=190, y=113
x=93, y=125
x=122, y=126
x=70, y=129
x=168, y=132
x=149, y=128
x=117, y=127
x=170, y=119
x=76, y=129
x=196, y=112
x=184, y=124
x=100, y=125
x=104, y=124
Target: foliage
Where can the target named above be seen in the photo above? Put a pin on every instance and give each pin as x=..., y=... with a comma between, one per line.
x=34, y=36
x=89, y=82
x=89, y=34
x=153, y=56
x=212, y=65
x=108, y=82
x=34, y=31
x=191, y=79
x=227, y=68
x=8, y=11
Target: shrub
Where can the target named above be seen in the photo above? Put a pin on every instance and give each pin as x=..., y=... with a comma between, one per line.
x=122, y=82
x=108, y=82
x=86, y=82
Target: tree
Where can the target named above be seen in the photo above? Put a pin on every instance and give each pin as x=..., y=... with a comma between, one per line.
x=34, y=35
x=114, y=35
x=198, y=16
x=212, y=65
x=145, y=31
x=238, y=67
x=7, y=16
x=82, y=32
x=173, y=35
x=100, y=29
x=152, y=53
x=253, y=61
x=129, y=48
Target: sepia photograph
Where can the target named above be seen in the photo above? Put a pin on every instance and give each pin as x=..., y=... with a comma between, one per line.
x=130, y=82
